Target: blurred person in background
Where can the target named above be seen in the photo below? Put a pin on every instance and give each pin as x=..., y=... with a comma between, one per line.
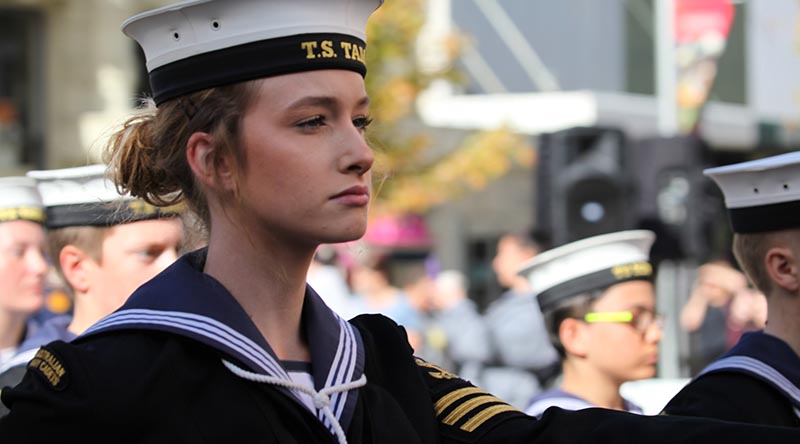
x=758, y=380
x=329, y=281
x=23, y=262
x=105, y=246
x=375, y=293
x=456, y=336
x=523, y=361
x=720, y=308
x=598, y=302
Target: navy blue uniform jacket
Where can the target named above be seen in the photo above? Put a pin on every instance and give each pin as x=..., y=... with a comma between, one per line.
x=153, y=372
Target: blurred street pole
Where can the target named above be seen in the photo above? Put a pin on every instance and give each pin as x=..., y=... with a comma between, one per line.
x=666, y=68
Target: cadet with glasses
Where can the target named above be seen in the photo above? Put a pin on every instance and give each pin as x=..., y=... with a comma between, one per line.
x=758, y=380
x=260, y=125
x=598, y=303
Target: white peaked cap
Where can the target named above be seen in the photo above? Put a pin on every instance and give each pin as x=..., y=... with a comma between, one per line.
x=20, y=200
x=193, y=45
x=80, y=185
x=589, y=264
x=85, y=196
x=761, y=195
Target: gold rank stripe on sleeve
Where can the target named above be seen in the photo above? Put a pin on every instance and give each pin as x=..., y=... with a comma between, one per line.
x=447, y=400
x=467, y=407
x=472, y=403
x=485, y=415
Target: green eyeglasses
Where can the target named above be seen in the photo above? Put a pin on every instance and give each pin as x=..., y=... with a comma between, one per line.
x=640, y=319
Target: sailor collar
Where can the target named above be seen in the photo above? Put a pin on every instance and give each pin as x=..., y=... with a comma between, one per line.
x=765, y=357
x=185, y=301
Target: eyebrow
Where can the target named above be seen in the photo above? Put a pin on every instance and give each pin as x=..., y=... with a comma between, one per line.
x=323, y=101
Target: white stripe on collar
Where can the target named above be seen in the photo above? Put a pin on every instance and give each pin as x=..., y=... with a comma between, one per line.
x=341, y=371
x=199, y=325
x=758, y=368
x=343, y=365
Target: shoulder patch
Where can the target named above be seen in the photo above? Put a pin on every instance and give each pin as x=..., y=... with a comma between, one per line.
x=50, y=368
x=434, y=370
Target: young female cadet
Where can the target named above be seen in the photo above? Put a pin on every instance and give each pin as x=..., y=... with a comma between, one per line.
x=229, y=344
x=598, y=302
x=23, y=265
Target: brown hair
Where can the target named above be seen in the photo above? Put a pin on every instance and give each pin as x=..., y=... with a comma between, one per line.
x=148, y=155
x=575, y=307
x=750, y=250
x=88, y=239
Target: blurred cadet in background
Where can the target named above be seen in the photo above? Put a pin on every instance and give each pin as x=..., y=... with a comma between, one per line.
x=758, y=380
x=376, y=293
x=720, y=309
x=456, y=336
x=522, y=358
x=598, y=302
x=23, y=264
x=328, y=280
x=104, y=246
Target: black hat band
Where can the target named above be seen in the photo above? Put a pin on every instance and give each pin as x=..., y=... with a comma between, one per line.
x=595, y=281
x=305, y=52
x=106, y=214
x=773, y=217
x=32, y=214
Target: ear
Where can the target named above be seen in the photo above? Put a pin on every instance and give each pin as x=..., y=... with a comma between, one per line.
x=574, y=337
x=76, y=266
x=212, y=169
x=782, y=267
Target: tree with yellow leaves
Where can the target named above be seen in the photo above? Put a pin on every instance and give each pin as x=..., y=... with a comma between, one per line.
x=407, y=179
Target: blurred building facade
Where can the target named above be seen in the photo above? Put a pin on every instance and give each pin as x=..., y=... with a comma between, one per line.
x=68, y=75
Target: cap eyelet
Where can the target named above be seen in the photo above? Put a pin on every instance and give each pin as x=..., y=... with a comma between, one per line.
x=176, y=36
x=786, y=186
x=755, y=190
x=215, y=25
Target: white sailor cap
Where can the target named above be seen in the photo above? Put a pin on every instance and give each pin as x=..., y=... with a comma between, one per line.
x=84, y=196
x=199, y=44
x=761, y=195
x=589, y=264
x=20, y=200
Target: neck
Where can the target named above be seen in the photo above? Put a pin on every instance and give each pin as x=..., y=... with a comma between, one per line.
x=12, y=327
x=268, y=279
x=591, y=385
x=84, y=314
x=520, y=286
x=783, y=312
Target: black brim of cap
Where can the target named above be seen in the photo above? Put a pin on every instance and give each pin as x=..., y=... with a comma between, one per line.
x=598, y=280
x=105, y=214
x=764, y=218
x=305, y=52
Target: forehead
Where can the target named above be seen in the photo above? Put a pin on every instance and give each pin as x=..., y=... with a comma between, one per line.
x=285, y=90
x=20, y=231
x=627, y=295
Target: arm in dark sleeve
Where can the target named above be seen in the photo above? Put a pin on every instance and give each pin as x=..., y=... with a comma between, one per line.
x=733, y=396
x=53, y=400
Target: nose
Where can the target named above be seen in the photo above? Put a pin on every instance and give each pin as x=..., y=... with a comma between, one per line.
x=359, y=157
x=37, y=262
x=654, y=333
x=169, y=256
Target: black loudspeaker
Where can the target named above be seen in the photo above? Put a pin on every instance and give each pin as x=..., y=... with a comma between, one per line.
x=673, y=198
x=582, y=184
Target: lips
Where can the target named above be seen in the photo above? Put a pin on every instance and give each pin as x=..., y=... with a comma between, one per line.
x=354, y=196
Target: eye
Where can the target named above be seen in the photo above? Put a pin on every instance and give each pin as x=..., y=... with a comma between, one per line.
x=362, y=122
x=312, y=122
